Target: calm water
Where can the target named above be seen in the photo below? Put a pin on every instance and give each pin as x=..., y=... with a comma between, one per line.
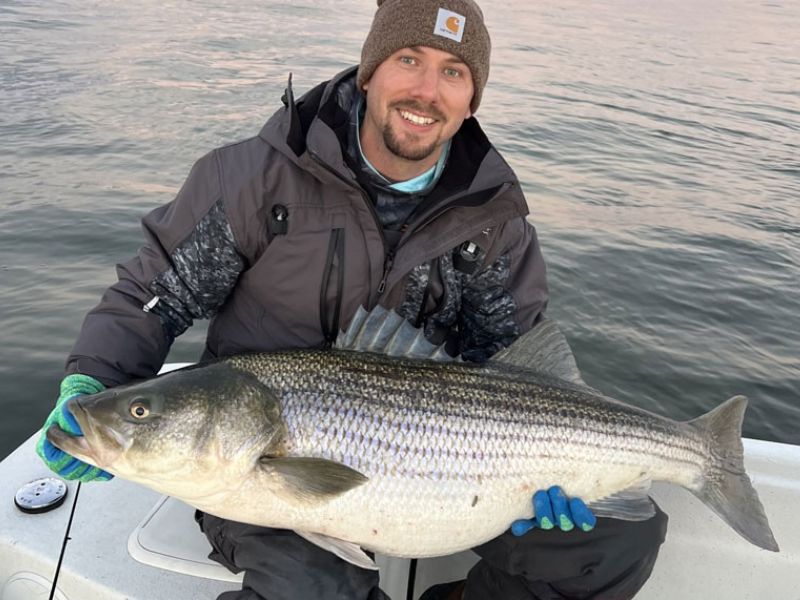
x=658, y=143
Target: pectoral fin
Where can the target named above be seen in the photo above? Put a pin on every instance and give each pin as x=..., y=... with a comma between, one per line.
x=347, y=551
x=311, y=478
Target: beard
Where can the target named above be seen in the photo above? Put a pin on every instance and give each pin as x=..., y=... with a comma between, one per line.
x=410, y=148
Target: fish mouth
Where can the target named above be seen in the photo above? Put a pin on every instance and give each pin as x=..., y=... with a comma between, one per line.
x=99, y=445
x=76, y=446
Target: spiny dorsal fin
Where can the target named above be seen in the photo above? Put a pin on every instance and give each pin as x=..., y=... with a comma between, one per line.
x=543, y=349
x=385, y=332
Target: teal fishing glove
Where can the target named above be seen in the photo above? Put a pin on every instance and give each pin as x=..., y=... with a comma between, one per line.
x=64, y=464
x=552, y=508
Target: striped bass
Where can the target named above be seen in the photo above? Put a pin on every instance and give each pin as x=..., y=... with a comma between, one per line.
x=361, y=446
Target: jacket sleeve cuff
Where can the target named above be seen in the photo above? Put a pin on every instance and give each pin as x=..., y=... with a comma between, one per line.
x=78, y=383
x=101, y=373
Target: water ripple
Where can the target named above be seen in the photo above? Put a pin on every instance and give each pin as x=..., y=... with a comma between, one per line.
x=657, y=144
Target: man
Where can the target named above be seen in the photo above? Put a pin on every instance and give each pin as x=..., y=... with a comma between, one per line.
x=375, y=187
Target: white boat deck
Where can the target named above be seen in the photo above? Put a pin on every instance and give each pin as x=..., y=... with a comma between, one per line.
x=702, y=558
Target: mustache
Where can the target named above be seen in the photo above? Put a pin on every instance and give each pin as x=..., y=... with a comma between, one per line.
x=419, y=107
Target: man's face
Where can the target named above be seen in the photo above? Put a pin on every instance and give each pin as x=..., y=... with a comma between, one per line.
x=417, y=99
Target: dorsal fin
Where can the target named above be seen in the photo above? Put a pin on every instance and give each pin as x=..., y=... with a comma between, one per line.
x=543, y=349
x=386, y=332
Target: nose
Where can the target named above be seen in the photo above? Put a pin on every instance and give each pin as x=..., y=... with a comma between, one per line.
x=427, y=87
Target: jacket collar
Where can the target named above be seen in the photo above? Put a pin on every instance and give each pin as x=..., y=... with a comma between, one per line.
x=313, y=128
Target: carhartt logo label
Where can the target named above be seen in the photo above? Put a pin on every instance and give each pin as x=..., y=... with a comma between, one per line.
x=450, y=25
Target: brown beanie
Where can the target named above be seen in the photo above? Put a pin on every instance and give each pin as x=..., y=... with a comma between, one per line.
x=454, y=26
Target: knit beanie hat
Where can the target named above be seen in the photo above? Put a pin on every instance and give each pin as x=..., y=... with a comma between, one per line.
x=454, y=26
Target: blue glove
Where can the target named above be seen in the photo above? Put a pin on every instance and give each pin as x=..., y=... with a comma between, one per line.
x=66, y=465
x=553, y=508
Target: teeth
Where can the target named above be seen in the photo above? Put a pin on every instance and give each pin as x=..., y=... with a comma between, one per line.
x=415, y=119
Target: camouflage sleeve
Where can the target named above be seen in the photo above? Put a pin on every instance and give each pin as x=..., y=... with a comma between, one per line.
x=185, y=271
x=506, y=297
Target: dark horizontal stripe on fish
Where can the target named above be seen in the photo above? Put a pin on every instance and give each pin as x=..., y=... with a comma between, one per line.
x=401, y=438
x=444, y=387
x=341, y=403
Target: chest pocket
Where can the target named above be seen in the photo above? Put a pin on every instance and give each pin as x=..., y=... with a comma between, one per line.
x=331, y=286
x=295, y=289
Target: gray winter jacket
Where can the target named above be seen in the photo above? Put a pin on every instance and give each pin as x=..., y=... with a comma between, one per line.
x=276, y=241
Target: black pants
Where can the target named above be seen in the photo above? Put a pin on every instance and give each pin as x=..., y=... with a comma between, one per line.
x=612, y=562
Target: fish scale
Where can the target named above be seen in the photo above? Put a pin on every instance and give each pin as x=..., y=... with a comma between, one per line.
x=437, y=432
x=407, y=456
x=397, y=439
x=441, y=405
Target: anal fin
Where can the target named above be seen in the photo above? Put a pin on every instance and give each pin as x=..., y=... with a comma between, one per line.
x=347, y=551
x=631, y=504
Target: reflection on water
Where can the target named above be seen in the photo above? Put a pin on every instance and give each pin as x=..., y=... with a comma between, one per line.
x=657, y=144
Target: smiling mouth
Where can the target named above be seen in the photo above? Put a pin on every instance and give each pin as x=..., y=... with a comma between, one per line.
x=415, y=118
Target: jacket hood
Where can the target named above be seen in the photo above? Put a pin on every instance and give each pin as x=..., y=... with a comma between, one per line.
x=313, y=128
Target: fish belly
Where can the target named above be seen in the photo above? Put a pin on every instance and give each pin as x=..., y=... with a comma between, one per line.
x=424, y=517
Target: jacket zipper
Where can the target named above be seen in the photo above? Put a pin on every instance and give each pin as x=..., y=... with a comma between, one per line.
x=387, y=267
x=388, y=255
x=330, y=327
x=428, y=220
x=421, y=315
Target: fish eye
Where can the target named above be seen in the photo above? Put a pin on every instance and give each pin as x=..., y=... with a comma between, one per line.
x=139, y=409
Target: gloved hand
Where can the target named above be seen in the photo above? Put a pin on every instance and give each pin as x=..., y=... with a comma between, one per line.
x=66, y=465
x=553, y=508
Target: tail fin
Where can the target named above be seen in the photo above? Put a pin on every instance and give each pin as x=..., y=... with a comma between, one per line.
x=726, y=488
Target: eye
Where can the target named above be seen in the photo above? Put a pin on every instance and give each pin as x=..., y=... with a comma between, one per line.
x=407, y=60
x=451, y=72
x=139, y=410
